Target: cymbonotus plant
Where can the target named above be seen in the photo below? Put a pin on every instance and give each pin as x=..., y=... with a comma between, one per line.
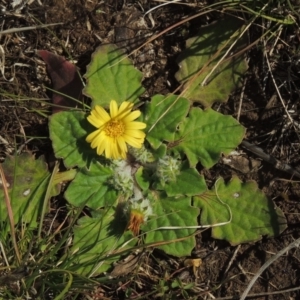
x=135, y=163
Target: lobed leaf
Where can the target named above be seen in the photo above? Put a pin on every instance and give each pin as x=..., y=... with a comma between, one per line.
x=203, y=53
x=162, y=116
x=205, y=134
x=112, y=76
x=68, y=131
x=172, y=212
x=188, y=183
x=253, y=214
x=27, y=180
x=91, y=188
x=97, y=241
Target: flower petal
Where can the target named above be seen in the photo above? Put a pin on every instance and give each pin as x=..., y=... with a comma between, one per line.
x=135, y=133
x=101, y=144
x=108, y=151
x=136, y=143
x=135, y=125
x=122, y=144
x=125, y=113
x=102, y=114
x=93, y=120
x=125, y=106
x=98, y=140
x=98, y=116
x=92, y=136
x=113, y=109
x=132, y=116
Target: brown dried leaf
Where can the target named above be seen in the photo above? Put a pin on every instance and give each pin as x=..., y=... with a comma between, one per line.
x=126, y=266
x=65, y=80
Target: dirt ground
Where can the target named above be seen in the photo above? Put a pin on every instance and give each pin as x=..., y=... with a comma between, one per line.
x=225, y=270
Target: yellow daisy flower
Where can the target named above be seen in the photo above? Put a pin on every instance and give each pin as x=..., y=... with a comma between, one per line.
x=115, y=130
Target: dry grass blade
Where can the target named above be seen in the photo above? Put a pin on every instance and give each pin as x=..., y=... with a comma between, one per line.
x=292, y=245
x=10, y=214
x=47, y=197
x=13, y=30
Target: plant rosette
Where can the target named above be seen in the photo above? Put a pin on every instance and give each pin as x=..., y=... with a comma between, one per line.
x=136, y=170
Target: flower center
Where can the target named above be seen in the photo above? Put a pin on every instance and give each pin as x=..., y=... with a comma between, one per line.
x=114, y=128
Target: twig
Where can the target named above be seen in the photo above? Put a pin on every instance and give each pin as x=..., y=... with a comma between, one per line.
x=232, y=259
x=270, y=159
x=241, y=99
x=204, y=82
x=160, y=5
x=243, y=271
x=277, y=90
x=292, y=245
x=4, y=255
x=260, y=294
x=12, y=30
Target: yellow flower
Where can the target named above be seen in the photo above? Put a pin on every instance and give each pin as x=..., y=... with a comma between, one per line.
x=115, y=130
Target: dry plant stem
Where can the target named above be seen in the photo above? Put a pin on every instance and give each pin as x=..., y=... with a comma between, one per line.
x=47, y=197
x=243, y=271
x=292, y=245
x=4, y=255
x=270, y=159
x=261, y=294
x=10, y=214
x=226, y=53
x=276, y=41
x=12, y=30
x=241, y=99
x=166, y=30
x=260, y=14
x=232, y=259
x=160, y=5
x=277, y=90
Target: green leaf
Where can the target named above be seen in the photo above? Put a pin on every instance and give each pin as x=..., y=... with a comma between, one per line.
x=68, y=131
x=172, y=212
x=160, y=152
x=112, y=76
x=188, y=183
x=253, y=214
x=27, y=180
x=203, y=53
x=142, y=178
x=62, y=177
x=91, y=188
x=205, y=134
x=162, y=116
x=96, y=242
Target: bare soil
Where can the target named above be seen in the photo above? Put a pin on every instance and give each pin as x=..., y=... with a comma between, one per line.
x=225, y=270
